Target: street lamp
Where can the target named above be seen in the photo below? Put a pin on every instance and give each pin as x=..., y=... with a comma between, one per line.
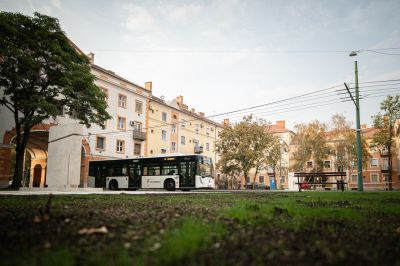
x=358, y=130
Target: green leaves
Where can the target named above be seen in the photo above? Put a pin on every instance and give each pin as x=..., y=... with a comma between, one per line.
x=40, y=74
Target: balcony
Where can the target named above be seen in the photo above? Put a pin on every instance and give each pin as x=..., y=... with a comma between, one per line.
x=198, y=149
x=139, y=135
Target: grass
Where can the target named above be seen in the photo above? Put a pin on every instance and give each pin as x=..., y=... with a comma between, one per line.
x=200, y=229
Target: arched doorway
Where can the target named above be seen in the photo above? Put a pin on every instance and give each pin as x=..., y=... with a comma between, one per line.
x=37, y=175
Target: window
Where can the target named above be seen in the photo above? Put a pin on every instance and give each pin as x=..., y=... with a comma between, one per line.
x=309, y=164
x=120, y=146
x=139, y=107
x=137, y=148
x=261, y=179
x=374, y=162
x=173, y=146
x=183, y=123
x=163, y=151
x=138, y=126
x=164, y=116
x=327, y=164
x=100, y=143
x=353, y=179
x=248, y=179
x=385, y=164
x=208, y=134
x=197, y=131
x=121, y=100
x=207, y=146
x=170, y=169
x=374, y=178
x=385, y=178
x=164, y=135
x=121, y=123
x=173, y=128
x=151, y=170
x=183, y=140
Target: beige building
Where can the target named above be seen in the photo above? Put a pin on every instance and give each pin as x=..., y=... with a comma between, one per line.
x=173, y=128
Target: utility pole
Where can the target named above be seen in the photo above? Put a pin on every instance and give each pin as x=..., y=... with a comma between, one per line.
x=358, y=127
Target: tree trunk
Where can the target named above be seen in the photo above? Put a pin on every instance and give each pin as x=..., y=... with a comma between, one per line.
x=19, y=157
x=254, y=178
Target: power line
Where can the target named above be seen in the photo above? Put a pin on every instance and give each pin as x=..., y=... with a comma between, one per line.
x=255, y=51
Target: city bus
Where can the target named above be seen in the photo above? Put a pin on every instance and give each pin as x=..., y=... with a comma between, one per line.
x=168, y=172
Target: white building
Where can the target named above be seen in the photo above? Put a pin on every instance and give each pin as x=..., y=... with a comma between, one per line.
x=60, y=149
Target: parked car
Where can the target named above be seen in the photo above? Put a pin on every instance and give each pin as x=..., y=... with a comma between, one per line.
x=305, y=185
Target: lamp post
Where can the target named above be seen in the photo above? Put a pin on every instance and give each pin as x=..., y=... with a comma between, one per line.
x=358, y=130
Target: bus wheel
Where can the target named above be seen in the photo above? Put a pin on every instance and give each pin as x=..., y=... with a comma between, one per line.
x=113, y=184
x=169, y=184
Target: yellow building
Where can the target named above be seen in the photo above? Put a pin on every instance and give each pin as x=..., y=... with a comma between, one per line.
x=173, y=128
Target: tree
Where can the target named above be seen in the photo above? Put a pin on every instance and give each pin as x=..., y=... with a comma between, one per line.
x=344, y=143
x=40, y=73
x=243, y=147
x=385, y=123
x=311, y=144
x=274, y=157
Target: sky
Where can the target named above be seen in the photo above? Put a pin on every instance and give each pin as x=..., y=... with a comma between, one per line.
x=229, y=55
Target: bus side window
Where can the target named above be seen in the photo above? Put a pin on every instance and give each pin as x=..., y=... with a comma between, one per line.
x=124, y=170
x=154, y=170
x=171, y=169
x=145, y=170
x=110, y=171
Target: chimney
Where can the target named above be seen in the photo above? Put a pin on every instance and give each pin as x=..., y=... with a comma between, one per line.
x=148, y=86
x=202, y=114
x=91, y=57
x=363, y=126
x=179, y=100
x=226, y=122
x=281, y=123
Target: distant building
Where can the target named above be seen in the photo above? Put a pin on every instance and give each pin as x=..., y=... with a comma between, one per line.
x=375, y=169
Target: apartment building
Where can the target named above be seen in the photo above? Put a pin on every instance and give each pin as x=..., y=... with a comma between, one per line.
x=375, y=169
x=59, y=150
x=173, y=128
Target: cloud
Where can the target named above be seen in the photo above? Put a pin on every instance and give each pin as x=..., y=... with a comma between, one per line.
x=140, y=20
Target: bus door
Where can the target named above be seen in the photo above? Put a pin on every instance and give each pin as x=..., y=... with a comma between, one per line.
x=135, y=176
x=100, y=176
x=187, y=174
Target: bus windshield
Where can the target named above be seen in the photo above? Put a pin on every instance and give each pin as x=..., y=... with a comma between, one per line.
x=205, y=167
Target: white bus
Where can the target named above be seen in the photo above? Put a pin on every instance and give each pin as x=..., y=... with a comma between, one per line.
x=168, y=172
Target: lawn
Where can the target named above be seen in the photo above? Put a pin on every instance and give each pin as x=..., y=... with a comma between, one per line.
x=248, y=228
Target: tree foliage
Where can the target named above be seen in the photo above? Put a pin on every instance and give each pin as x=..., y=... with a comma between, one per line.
x=244, y=146
x=41, y=73
x=276, y=152
x=311, y=144
x=386, y=124
x=344, y=146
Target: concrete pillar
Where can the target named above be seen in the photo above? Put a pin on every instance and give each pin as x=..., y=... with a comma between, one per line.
x=64, y=157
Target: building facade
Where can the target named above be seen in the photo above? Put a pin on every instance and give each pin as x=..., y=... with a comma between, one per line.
x=173, y=128
x=375, y=169
x=122, y=137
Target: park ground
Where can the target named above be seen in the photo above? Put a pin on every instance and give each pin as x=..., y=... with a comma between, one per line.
x=252, y=228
